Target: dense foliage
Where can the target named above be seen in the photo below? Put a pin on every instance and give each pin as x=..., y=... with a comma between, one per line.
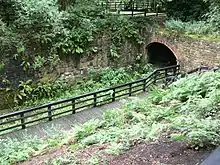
x=188, y=111
x=196, y=27
x=41, y=25
x=186, y=10
x=30, y=94
x=37, y=34
x=206, y=25
x=41, y=30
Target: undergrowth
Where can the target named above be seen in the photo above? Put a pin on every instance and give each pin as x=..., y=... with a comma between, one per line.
x=196, y=29
x=32, y=95
x=38, y=34
x=46, y=32
x=188, y=110
x=207, y=28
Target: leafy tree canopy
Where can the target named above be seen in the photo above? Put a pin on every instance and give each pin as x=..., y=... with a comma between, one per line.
x=186, y=10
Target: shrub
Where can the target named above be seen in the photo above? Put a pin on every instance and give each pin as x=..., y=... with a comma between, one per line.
x=186, y=10
x=14, y=150
x=213, y=17
x=194, y=27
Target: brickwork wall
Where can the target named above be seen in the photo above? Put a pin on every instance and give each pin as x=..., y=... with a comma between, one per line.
x=190, y=53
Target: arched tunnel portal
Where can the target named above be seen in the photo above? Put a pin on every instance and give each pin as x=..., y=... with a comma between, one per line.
x=160, y=55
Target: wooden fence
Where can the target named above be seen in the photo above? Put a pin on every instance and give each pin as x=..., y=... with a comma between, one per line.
x=24, y=118
x=135, y=7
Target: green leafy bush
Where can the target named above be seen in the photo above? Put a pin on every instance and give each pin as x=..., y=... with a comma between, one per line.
x=32, y=94
x=28, y=91
x=209, y=26
x=188, y=110
x=197, y=28
x=8, y=39
x=187, y=10
x=14, y=150
x=213, y=17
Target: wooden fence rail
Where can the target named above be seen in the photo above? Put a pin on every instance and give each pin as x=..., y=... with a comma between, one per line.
x=48, y=112
x=135, y=7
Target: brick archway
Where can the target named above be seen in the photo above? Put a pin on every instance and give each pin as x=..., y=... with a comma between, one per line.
x=160, y=54
x=168, y=42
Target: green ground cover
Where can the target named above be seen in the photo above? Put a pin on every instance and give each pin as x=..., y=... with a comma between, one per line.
x=188, y=110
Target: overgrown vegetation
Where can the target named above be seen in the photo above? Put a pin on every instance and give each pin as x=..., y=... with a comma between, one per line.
x=204, y=26
x=37, y=34
x=43, y=27
x=14, y=150
x=30, y=94
x=187, y=111
x=187, y=10
x=42, y=32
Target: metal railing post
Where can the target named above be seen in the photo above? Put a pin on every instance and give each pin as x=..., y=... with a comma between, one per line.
x=166, y=76
x=174, y=71
x=165, y=73
x=178, y=70
x=107, y=6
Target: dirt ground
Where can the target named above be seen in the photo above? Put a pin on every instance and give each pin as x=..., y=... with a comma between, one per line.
x=163, y=152
x=44, y=158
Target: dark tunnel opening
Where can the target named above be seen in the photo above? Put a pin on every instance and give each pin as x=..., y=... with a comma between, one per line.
x=160, y=55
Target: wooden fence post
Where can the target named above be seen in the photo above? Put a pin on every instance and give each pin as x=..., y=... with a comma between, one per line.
x=113, y=95
x=73, y=106
x=49, y=113
x=22, y=121
x=95, y=99
x=166, y=77
x=144, y=85
x=130, y=89
x=155, y=77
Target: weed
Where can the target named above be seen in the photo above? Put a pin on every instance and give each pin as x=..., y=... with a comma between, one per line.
x=194, y=120
x=14, y=150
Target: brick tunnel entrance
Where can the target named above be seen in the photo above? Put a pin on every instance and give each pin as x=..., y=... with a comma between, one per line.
x=160, y=55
